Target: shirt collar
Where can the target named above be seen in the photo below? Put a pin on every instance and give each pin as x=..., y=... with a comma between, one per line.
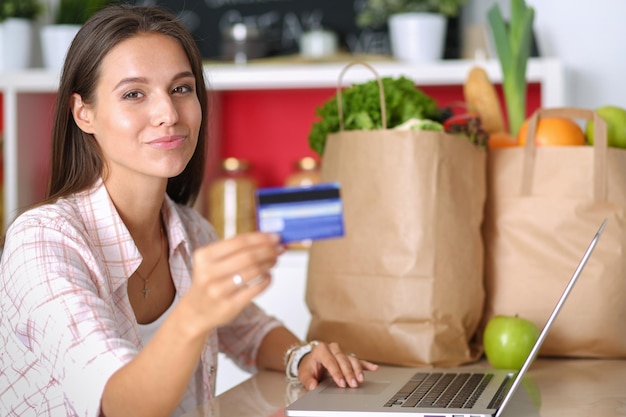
x=121, y=255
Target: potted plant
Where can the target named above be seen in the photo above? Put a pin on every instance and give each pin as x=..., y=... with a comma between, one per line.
x=16, y=32
x=69, y=16
x=417, y=28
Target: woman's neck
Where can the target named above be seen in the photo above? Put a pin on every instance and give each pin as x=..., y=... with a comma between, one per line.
x=139, y=206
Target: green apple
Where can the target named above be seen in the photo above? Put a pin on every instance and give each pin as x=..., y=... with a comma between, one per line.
x=508, y=340
x=615, y=118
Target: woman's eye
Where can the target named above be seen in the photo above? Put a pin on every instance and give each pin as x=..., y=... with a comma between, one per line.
x=132, y=95
x=182, y=89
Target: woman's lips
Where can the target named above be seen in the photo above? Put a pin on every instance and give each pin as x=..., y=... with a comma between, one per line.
x=167, y=142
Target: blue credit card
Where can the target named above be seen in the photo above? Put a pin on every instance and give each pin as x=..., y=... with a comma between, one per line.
x=301, y=213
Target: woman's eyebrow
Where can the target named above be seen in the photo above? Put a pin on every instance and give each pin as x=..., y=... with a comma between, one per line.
x=144, y=80
x=184, y=74
x=130, y=80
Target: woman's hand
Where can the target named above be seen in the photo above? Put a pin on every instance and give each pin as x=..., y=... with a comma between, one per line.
x=228, y=274
x=328, y=359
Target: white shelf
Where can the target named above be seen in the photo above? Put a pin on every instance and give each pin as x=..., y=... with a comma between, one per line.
x=269, y=75
x=29, y=98
x=547, y=72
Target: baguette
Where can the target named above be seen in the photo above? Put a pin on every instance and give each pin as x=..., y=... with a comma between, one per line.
x=481, y=97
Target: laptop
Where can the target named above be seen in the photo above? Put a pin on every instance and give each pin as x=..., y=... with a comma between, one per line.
x=434, y=392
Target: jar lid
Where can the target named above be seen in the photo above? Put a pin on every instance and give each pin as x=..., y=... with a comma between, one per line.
x=307, y=163
x=235, y=164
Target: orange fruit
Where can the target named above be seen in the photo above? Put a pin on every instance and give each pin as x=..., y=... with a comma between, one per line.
x=554, y=131
x=499, y=140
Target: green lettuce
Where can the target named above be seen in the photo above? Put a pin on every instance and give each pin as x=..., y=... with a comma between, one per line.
x=361, y=108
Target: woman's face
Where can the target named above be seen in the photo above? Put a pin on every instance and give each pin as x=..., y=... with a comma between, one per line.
x=146, y=115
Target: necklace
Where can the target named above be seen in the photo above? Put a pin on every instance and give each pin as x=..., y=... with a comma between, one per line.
x=145, y=289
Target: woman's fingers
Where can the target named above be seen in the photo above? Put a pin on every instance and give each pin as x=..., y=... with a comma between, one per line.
x=240, y=283
x=243, y=295
x=241, y=260
x=345, y=369
x=228, y=274
x=239, y=244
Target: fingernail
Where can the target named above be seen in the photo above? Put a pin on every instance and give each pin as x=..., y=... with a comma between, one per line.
x=342, y=383
x=360, y=377
x=353, y=383
x=275, y=237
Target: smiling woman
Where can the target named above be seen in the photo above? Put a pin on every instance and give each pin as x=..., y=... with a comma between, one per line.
x=116, y=294
x=136, y=118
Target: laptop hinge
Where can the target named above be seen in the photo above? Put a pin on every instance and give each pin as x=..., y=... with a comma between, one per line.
x=501, y=392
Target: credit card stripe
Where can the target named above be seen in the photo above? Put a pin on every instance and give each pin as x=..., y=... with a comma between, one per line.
x=291, y=210
x=274, y=197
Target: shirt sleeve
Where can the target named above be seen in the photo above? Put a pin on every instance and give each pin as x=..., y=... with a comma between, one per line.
x=64, y=320
x=240, y=340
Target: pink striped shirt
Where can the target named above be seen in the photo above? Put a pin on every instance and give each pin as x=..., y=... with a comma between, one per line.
x=66, y=324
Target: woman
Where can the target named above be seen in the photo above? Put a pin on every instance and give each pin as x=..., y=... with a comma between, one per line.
x=115, y=295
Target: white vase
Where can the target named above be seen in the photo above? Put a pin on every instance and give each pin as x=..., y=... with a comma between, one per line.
x=55, y=41
x=17, y=44
x=1, y=47
x=417, y=37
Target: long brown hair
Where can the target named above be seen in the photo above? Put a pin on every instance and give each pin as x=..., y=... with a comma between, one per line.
x=77, y=161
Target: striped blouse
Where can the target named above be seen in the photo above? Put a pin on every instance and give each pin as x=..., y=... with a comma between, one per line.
x=66, y=324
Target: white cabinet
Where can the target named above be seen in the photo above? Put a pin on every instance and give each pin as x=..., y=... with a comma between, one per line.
x=284, y=299
x=29, y=99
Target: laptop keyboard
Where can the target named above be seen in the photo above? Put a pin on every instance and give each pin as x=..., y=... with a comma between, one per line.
x=441, y=390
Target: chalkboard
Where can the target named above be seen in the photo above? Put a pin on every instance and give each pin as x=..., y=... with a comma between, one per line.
x=283, y=21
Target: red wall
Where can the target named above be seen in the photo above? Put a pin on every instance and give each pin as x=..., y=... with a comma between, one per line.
x=270, y=128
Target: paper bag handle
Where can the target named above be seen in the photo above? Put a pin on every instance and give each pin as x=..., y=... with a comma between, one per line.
x=599, y=147
x=383, y=110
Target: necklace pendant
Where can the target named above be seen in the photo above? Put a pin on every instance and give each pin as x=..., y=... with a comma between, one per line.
x=146, y=290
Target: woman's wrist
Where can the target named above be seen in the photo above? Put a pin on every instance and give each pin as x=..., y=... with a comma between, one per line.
x=190, y=324
x=293, y=357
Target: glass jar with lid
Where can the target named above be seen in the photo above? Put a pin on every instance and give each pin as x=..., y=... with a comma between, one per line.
x=231, y=199
x=306, y=172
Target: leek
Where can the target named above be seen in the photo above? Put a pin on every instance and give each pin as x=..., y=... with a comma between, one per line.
x=513, y=47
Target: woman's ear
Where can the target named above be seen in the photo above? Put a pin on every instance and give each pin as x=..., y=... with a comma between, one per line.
x=82, y=114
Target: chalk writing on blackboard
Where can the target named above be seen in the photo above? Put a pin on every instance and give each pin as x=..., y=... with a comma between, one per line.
x=282, y=23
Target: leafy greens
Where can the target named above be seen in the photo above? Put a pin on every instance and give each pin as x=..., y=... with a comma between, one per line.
x=361, y=108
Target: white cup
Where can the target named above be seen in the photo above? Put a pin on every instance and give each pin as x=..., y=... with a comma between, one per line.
x=318, y=43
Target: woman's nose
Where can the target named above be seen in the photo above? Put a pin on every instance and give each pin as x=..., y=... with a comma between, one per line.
x=164, y=110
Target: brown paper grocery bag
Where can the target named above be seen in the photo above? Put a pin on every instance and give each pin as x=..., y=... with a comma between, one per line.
x=405, y=284
x=544, y=205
